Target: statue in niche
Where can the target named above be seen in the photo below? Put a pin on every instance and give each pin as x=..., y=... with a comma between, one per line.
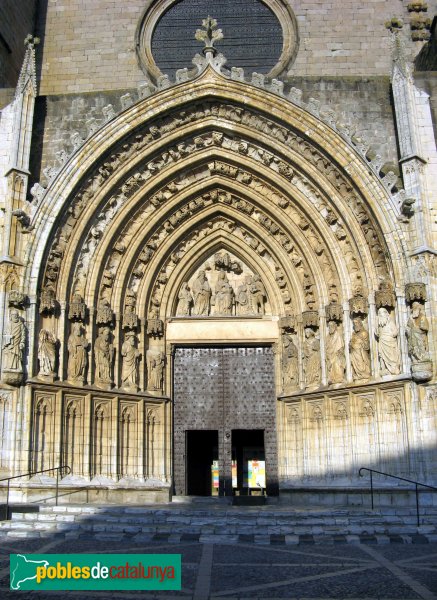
x=155, y=370
x=224, y=295
x=417, y=333
x=311, y=354
x=258, y=294
x=243, y=297
x=46, y=353
x=103, y=355
x=15, y=342
x=290, y=365
x=335, y=358
x=201, y=295
x=389, y=360
x=359, y=348
x=131, y=357
x=185, y=300
x=77, y=354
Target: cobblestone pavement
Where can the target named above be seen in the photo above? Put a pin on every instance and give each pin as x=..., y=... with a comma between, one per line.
x=335, y=570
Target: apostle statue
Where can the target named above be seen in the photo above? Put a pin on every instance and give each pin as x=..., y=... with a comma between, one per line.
x=290, y=365
x=15, y=342
x=46, y=353
x=387, y=336
x=77, y=354
x=201, y=295
x=131, y=356
x=359, y=348
x=185, y=300
x=243, y=297
x=224, y=295
x=335, y=358
x=103, y=355
x=155, y=370
x=311, y=353
x=258, y=294
x=417, y=334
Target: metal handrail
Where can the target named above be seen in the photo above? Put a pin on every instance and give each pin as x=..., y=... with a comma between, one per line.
x=30, y=474
x=416, y=484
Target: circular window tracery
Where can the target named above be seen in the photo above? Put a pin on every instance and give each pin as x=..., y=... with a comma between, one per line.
x=259, y=35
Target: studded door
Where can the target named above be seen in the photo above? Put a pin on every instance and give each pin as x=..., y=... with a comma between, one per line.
x=224, y=388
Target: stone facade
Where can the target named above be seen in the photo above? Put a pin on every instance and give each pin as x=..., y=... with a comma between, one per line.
x=148, y=219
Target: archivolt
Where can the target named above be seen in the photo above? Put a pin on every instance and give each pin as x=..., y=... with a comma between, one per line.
x=299, y=158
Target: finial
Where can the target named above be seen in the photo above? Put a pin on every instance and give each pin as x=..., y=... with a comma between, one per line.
x=31, y=41
x=211, y=35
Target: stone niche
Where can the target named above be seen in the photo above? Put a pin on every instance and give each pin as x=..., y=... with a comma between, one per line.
x=223, y=286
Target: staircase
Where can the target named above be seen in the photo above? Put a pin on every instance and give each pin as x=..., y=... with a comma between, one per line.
x=221, y=523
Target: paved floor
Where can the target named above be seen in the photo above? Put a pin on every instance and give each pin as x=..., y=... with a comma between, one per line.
x=255, y=570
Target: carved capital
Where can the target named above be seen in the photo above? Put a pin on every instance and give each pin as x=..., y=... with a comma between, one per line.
x=415, y=292
x=334, y=312
x=310, y=318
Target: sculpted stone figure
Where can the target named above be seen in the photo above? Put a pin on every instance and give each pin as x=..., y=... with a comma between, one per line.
x=359, y=348
x=224, y=295
x=258, y=293
x=290, y=368
x=387, y=335
x=131, y=356
x=103, y=355
x=46, y=353
x=417, y=333
x=201, y=295
x=185, y=300
x=335, y=358
x=243, y=297
x=77, y=354
x=15, y=341
x=311, y=354
x=155, y=370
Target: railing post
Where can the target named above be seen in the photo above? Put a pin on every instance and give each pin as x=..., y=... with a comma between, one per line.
x=7, y=500
x=371, y=487
x=417, y=506
x=57, y=485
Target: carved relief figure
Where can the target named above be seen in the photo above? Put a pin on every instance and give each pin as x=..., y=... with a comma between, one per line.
x=417, y=333
x=15, y=341
x=258, y=292
x=131, y=356
x=185, y=300
x=311, y=353
x=155, y=370
x=224, y=295
x=46, y=353
x=103, y=355
x=359, y=348
x=389, y=359
x=290, y=368
x=201, y=295
x=243, y=297
x=335, y=358
x=77, y=354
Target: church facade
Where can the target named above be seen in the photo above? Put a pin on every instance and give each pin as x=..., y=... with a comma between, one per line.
x=218, y=275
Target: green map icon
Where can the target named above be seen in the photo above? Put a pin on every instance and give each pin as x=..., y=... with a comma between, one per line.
x=23, y=569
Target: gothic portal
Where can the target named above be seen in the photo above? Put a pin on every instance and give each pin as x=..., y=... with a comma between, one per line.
x=210, y=281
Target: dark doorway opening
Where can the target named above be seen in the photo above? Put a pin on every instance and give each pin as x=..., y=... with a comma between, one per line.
x=202, y=462
x=248, y=462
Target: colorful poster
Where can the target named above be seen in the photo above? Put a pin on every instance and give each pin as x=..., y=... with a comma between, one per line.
x=234, y=474
x=215, y=475
x=256, y=475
